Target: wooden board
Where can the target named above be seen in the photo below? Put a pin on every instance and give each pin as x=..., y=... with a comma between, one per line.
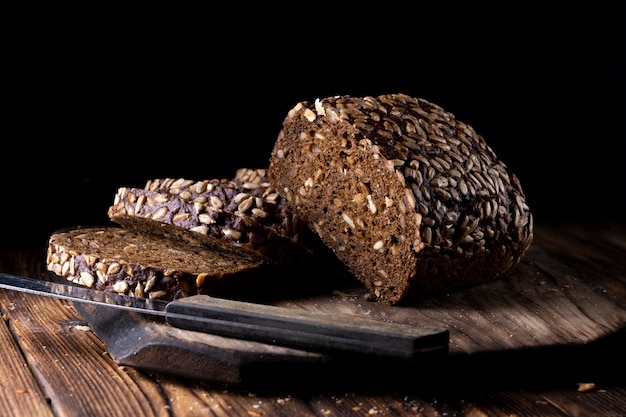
x=543, y=307
x=53, y=361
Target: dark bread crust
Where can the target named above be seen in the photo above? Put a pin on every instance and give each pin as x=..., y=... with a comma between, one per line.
x=411, y=200
x=115, y=259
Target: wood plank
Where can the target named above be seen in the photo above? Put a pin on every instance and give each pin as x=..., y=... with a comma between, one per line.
x=19, y=388
x=70, y=362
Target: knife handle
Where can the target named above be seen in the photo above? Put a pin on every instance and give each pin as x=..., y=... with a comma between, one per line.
x=300, y=329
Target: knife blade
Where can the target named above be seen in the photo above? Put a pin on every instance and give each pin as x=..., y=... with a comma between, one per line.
x=270, y=324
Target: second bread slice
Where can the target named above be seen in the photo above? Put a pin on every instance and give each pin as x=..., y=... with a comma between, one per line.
x=244, y=212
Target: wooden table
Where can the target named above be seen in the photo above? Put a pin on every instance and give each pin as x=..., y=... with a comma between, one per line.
x=54, y=364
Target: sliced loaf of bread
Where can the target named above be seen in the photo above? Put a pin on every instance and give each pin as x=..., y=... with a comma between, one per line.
x=413, y=201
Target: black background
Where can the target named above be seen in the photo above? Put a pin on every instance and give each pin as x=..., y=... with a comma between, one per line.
x=96, y=100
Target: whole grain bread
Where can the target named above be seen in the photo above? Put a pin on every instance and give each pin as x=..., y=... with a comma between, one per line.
x=245, y=212
x=413, y=201
x=115, y=259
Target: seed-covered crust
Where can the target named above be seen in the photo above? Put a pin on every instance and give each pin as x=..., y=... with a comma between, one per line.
x=120, y=260
x=411, y=200
x=248, y=195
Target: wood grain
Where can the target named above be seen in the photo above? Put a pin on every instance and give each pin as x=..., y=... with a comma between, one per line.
x=21, y=396
x=20, y=389
x=66, y=371
x=49, y=330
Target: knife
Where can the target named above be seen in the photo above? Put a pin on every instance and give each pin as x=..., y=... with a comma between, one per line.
x=283, y=326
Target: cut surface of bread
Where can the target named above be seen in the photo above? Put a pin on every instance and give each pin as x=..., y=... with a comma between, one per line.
x=411, y=200
x=120, y=260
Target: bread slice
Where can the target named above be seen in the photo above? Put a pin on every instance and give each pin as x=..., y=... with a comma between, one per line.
x=413, y=201
x=120, y=260
x=245, y=212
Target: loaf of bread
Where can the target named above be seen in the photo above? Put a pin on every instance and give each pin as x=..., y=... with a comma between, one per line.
x=411, y=200
x=115, y=259
x=245, y=211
